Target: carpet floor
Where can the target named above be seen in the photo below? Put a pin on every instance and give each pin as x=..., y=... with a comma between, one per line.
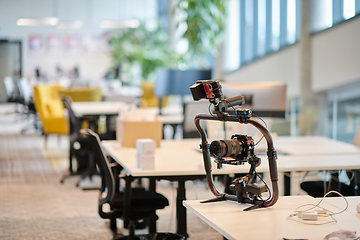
x=35, y=205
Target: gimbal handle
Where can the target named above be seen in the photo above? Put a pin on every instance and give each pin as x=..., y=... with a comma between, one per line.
x=271, y=153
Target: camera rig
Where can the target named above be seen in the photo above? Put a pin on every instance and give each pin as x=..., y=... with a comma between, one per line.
x=238, y=150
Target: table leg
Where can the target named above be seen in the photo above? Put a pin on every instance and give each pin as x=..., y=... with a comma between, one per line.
x=355, y=180
x=71, y=171
x=152, y=221
x=287, y=183
x=181, y=227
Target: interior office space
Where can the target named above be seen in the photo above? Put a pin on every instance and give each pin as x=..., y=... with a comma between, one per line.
x=311, y=46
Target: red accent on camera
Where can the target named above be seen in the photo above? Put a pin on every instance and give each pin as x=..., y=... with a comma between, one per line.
x=208, y=91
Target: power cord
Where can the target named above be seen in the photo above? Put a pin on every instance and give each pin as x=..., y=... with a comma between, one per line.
x=315, y=212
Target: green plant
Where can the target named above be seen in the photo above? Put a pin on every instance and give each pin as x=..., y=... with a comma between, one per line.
x=205, y=20
x=147, y=48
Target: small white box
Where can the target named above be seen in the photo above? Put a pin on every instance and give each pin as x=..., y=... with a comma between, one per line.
x=145, y=146
x=145, y=162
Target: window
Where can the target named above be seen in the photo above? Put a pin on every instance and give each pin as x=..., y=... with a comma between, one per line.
x=327, y=13
x=257, y=28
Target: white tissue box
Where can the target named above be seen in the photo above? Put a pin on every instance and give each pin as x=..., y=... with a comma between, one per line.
x=145, y=146
x=145, y=162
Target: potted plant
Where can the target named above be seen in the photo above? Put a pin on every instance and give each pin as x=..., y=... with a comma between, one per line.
x=139, y=51
x=205, y=21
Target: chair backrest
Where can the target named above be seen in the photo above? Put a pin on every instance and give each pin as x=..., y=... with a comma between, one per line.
x=108, y=180
x=83, y=94
x=50, y=108
x=25, y=90
x=9, y=87
x=74, y=123
x=192, y=109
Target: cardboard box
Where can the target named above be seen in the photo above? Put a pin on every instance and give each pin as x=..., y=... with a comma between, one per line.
x=127, y=132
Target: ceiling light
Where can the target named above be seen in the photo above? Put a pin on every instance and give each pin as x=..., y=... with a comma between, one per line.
x=50, y=21
x=119, y=24
x=69, y=25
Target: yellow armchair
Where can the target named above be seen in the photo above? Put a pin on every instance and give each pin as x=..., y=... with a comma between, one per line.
x=148, y=98
x=50, y=109
x=82, y=94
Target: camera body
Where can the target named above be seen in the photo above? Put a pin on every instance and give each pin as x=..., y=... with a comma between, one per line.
x=239, y=148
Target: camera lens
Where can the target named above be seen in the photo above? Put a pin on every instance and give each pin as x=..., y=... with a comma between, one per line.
x=226, y=148
x=218, y=149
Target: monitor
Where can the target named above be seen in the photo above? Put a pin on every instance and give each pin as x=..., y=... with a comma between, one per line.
x=267, y=99
x=177, y=82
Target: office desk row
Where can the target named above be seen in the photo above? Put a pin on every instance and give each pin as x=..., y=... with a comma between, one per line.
x=182, y=160
x=172, y=115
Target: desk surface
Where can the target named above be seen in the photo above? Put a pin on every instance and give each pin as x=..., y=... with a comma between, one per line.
x=229, y=219
x=183, y=157
x=313, y=145
x=98, y=108
x=170, y=115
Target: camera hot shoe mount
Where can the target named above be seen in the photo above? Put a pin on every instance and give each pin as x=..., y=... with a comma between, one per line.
x=238, y=150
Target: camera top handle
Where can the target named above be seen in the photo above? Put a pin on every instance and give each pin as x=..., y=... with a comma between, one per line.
x=271, y=153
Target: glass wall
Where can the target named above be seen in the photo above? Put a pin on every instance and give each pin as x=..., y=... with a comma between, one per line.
x=257, y=28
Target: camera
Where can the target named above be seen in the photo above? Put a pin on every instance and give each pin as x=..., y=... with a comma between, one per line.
x=209, y=89
x=238, y=150
x=239, y=147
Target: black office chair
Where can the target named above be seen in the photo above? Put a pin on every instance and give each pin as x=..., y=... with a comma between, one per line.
x=79, y=147
x=130, y=204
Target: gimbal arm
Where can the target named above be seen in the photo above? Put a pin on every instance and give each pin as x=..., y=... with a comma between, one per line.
x=207, y=161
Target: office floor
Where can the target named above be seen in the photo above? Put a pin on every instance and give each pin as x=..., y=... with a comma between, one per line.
x=34, y=205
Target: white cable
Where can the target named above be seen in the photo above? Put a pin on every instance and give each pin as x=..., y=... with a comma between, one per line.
x=315, y=211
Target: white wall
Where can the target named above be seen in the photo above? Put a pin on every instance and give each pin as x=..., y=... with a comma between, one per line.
x=92, y=65
x=282, y=66
x=336, y=56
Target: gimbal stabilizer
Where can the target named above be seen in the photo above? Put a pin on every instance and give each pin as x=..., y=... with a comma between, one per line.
x=236, y=151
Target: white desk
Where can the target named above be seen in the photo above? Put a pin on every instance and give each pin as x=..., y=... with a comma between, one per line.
x=177, y=157
x=183, y=160
x=229, y=219
x=98, y=108
x=312, y=145
x=112, y=108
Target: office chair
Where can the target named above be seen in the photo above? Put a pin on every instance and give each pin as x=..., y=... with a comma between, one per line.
x=82, y=94
x=318, y=188
x=50, y=109
x=26, y=100
x=10, y=89
x=192, y=109
x=79, y=147
x=130, y=204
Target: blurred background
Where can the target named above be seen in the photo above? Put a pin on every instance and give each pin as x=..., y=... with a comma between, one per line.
x=312, y=46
